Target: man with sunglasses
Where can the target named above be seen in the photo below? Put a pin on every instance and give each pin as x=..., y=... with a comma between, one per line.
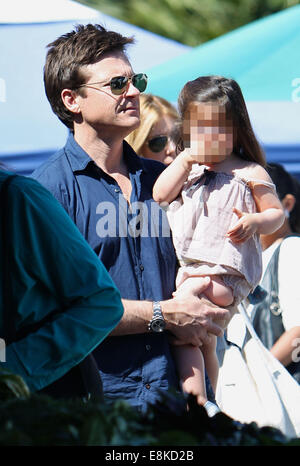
x=107, y=191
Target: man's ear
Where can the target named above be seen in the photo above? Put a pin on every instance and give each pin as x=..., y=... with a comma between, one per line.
x=69, y=99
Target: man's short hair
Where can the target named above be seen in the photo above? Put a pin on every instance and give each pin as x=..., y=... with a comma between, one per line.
x=66, y=56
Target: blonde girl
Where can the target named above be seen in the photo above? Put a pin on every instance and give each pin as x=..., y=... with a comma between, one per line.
x=154, y=138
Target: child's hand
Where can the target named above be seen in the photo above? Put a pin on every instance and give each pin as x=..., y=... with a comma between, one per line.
x=245, y=227
x=188, y=158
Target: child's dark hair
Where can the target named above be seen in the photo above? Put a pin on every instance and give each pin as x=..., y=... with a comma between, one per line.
x=286, y=184
x=225, y=92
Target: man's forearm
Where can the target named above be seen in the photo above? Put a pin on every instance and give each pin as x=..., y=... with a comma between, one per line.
x=136, y=317
x=189, y=319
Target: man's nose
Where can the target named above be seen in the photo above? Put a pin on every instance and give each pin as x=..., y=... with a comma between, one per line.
x=131, y=90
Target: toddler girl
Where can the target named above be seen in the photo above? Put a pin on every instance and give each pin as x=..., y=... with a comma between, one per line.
x=221, y=199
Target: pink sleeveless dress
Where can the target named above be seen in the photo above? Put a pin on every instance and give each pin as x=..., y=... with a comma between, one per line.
x=200, y=218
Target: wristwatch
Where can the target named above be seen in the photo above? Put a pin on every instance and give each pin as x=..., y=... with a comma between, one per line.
x=157, y=324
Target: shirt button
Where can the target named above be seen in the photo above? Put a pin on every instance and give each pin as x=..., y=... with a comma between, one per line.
x=147, y=386
x=148, y=347
x=141, y=267
x=117, y=190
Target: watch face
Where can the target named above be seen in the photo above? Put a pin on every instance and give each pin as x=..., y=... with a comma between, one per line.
x=158, y=325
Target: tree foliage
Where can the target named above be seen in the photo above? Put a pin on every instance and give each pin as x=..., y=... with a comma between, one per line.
x=191, y=22
x=36, y=420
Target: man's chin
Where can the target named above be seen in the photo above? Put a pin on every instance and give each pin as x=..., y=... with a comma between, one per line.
x=133, y=124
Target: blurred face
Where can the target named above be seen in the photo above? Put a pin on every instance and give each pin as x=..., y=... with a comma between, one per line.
x=99, y=107
x=159, y=145
x=207, y=132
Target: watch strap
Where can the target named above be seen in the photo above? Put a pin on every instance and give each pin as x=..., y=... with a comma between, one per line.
x=157, y=309
x=157, y=316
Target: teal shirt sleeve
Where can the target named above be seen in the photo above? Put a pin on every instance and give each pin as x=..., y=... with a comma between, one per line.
x=55, y=273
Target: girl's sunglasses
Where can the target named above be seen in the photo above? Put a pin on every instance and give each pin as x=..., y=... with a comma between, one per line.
x=158, y=143
x=119, y=84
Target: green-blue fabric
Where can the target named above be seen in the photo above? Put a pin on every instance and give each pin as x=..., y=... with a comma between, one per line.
x=263, y=57
x=53, y=269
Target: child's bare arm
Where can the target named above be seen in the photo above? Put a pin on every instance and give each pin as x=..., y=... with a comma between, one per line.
x=267, y=220
x=170, y=182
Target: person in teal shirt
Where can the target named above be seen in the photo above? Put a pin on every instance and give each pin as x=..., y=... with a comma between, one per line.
x=62, y=302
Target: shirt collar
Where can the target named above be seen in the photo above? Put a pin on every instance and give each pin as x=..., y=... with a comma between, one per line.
x=79, y=159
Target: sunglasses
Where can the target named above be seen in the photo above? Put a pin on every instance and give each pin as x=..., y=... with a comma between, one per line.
x=158, y=143
x=120, y=84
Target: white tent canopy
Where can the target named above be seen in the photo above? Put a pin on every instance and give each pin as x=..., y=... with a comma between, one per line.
x=29, y=131
x=32, y=11
x=149, y=49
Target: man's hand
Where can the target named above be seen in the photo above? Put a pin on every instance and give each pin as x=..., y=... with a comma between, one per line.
x=191, y=317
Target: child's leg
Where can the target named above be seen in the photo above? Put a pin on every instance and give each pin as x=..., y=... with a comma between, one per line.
x=216, y=292
x=190, y=366
x=211, y=361
x=193, y=361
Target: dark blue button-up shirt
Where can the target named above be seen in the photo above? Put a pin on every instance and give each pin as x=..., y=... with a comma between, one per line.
x=133, y=241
